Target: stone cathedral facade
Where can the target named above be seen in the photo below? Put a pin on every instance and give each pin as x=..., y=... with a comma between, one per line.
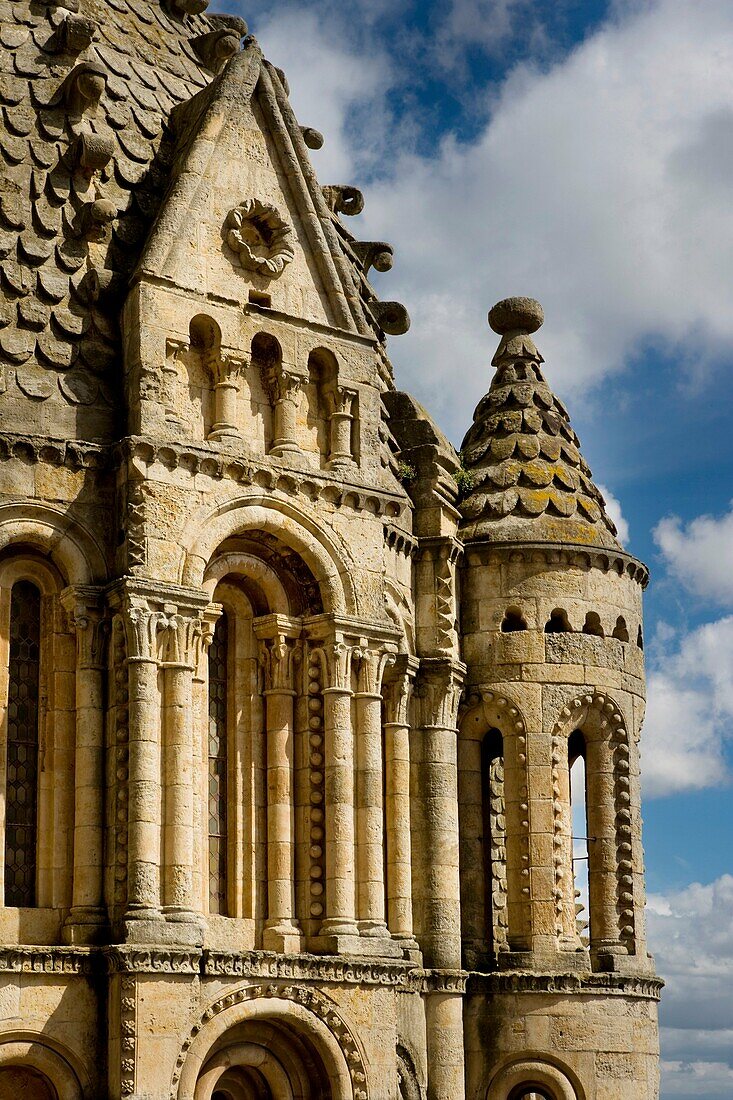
x=294, y=700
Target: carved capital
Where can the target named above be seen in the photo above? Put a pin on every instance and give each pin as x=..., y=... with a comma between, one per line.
x=398, y=687
x=370, y=663
x=86, y=613
x=439, y=686
x=281, y=384
x=180, y=633
x=279, y=650
x=339, y=400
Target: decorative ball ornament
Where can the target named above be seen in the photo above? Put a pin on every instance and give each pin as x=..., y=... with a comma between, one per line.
x=523, y=315
x=260, y=237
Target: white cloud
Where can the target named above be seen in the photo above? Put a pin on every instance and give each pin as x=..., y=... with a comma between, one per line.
x=689, y=715
x=700, y=554
x=599, y=185
x=691, y=935
x=613, y=507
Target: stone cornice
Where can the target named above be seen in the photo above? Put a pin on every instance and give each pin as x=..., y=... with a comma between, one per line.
x=622, y=985
x=320, y=968
x=561, y=554
x=47, y=960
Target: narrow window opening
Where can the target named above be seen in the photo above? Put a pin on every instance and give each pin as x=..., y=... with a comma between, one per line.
x=530, y=1092
x=592, y=625
x=218, y=683
x=558, y=622
x=621, y=631
x=513, y=620
x=21, y=797
x=494, y=839
x=640, y=639
x=580, y=839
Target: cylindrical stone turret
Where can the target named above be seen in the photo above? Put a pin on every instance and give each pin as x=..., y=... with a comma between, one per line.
x=552, y=639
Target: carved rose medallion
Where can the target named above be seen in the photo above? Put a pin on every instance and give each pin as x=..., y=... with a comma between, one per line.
x=260, y=237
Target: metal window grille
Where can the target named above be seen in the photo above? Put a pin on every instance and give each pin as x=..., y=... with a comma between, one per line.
x=218, y=768
x=22, y=747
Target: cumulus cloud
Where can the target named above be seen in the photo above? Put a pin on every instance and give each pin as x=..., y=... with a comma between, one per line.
x=689, y=715
x=599, y=184
x=613, y=507
x=699, y=554
x=691, y=935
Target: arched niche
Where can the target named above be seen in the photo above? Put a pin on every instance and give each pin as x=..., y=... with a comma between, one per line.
x=300, y=1050
x=494, y=830
x=295, y=530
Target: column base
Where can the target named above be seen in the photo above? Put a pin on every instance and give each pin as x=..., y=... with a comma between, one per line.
x=223, y=434
x=409, y=947
x=188, y=933
x=85, y=925
x=286, y=939
x=383, y=947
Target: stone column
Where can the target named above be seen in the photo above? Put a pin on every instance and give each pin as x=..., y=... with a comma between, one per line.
x=602, y=857
x=444, y=1034
x=144, y=823
x=279, y=655
x=369, y=793
x=87, y=918
x=226, y=371
x=283, y=387
x=437, y=900
x=339, y=930
x=340, y=403
x=397, y=692
x=181, y=635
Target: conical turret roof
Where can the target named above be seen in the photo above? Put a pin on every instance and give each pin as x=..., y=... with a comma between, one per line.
x=528, y=481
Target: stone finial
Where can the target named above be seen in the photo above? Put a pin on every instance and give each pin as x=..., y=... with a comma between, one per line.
x=312, y=138
x=215, y=48
x=91, y=153
x=343, y=199
x=83, y=88
x=182, y=8
x=376, y=254
x=522, y=315
x=515, y=319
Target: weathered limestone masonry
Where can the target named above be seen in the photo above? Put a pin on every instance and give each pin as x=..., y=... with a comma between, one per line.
x=293, y=700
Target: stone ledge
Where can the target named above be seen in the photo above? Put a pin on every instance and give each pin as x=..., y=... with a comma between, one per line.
x=622, y=985
x=561, y=555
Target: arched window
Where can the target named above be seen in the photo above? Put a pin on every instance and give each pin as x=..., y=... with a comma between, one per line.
x=21, y=774
x=579, y=818
x=513, y=620
x=494, y=836
x=558, y=622
x=593, y=625
x=621, y=631
x=218, y=683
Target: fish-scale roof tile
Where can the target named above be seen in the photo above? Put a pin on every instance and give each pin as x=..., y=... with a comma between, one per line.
x=528, y=480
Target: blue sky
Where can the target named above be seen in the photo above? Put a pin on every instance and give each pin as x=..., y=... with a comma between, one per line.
x=579, y=151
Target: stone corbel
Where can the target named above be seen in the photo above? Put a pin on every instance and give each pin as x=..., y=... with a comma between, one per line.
x=283, y=387
x=340, y=404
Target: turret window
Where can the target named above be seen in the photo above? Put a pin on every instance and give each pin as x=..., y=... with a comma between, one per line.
x=513, y=621
x=621, y=631
x=558, y=622
x=592, y=625
x=218, y=683
x=21, y=791
x=579, y=819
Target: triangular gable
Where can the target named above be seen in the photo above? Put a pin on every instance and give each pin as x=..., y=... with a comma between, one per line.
x=237, y=142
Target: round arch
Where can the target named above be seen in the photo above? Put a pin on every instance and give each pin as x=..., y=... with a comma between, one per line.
x=72, y=548
x=538, y=1071
x=63, y=1072
x=282, y=1027
x=329, y=562
x=256, y=571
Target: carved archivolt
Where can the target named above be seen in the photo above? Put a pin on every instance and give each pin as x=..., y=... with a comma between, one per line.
x=260, y=237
